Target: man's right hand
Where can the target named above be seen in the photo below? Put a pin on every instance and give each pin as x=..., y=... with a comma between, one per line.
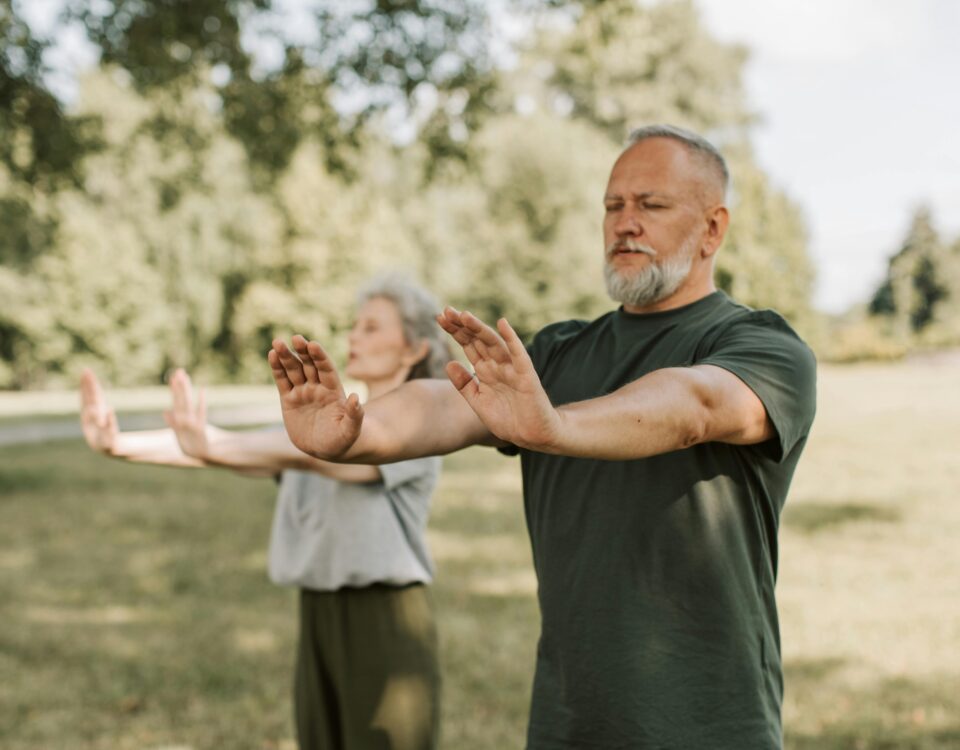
x=319, y=418
x=98, y=421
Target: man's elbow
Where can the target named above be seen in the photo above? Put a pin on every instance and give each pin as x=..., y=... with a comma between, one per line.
x=742, y=426
x=728, y=411
x=697, y=428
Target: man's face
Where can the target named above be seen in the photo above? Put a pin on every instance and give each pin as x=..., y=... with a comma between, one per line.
x=654, y=221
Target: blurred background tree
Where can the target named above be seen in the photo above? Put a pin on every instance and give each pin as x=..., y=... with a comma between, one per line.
x=226, y=173
x=918, y=297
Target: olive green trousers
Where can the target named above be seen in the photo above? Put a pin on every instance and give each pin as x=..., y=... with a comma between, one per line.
x=367, y=676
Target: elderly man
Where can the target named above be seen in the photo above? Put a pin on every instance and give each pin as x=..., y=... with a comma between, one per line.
x=657, y=445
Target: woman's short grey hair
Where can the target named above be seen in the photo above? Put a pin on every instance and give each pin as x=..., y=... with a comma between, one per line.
x=696, y=144
x=418, y=310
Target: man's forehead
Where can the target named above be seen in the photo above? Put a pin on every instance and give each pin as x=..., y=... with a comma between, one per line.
x=660, y=166
x=655, y=156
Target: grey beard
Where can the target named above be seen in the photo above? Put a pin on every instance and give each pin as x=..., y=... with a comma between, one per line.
x=651, y=284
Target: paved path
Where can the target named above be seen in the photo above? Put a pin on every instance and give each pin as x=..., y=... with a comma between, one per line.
x=68, y=427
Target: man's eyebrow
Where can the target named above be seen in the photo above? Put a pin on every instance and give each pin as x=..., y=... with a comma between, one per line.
x=638, y=196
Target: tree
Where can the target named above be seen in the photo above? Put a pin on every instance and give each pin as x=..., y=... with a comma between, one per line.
x=917, y=282
x=625, y=63
x=764, y=261
x=518, y=234
x=39, y=145
x=136, y=278
x=228, y=204
x=425, y=62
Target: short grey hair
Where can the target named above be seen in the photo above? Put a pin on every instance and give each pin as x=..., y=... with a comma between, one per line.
x=696, y=144
x=418, y=310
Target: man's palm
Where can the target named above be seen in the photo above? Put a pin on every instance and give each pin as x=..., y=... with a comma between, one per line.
x=505, y=391
x=319, y=418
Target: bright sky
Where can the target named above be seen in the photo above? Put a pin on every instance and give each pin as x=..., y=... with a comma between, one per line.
x=859, y=111
x=860, y=121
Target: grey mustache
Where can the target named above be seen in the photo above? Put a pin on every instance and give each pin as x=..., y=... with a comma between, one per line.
x=631, y=246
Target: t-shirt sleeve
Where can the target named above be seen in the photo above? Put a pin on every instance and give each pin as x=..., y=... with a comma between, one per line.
x=417, y=470
x=765, y=353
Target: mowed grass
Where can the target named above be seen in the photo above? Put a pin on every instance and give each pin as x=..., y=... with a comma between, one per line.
x=135, y=611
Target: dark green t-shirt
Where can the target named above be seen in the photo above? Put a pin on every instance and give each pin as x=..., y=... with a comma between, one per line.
x=656, y=576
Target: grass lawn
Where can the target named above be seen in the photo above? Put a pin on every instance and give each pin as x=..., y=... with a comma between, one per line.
x=135, y=611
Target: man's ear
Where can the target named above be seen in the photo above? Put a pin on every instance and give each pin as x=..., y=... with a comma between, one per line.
x=718, y=219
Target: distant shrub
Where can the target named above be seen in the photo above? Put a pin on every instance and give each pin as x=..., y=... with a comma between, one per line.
x=862, y=341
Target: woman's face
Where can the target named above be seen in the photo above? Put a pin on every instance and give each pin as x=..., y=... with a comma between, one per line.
x=378, y=350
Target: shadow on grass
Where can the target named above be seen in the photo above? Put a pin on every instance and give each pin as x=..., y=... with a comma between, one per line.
x=21, y=480
x=805, y=672
x=892, y=714
x=813, y=517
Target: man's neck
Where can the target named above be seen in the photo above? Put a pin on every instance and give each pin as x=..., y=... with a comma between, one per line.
x=685, y=295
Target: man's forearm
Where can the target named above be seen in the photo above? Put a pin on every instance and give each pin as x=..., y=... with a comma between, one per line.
x=664, y=411
x=420, y=418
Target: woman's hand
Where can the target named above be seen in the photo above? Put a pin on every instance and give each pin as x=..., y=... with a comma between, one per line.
x=188, y=419
x=97, y=419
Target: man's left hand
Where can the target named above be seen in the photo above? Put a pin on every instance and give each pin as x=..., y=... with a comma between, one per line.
x=504, y=390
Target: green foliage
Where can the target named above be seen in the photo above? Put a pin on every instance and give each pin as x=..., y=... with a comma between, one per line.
x=764, y=261
x=626, y=63
x=859, y=337
x=406, y=53
x=529, y=225
x=420, y=60
x=221, y=212
x=920, y=297
x=39, y=144
x=159, y=41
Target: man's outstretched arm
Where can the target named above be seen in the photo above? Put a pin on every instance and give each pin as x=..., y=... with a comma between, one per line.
x=666, y=410
x=420, y=418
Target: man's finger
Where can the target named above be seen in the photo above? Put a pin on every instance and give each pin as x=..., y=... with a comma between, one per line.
x=484, y=332
x=463, y=380
x=353, y=407
x=518, y=352
x=444, y=320
x=301, y=348
x=202, y=406
x=488, y=342
x=451, y=323
x=455, y=328
x=326, y=372
x=290, y=363
x=279, y=374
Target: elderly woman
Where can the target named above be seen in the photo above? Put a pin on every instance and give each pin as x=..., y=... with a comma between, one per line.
x=351, y=538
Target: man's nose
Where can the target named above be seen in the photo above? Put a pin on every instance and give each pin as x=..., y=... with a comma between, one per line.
x=628, y=224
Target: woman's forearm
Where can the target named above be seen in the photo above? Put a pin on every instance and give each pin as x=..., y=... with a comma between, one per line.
x=152, y=446
x=272, y=452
